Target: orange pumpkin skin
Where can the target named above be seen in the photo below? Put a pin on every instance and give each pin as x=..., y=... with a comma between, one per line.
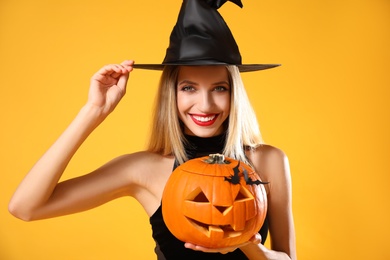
x=201, y=206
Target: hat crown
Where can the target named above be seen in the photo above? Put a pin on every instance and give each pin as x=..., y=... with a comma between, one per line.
x=201, y=36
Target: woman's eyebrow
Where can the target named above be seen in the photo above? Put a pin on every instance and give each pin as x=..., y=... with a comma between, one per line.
x=221, y=83
x=187, y=82
x=194, y=83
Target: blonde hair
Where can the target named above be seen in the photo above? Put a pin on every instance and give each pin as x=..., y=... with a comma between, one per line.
x=167, y=136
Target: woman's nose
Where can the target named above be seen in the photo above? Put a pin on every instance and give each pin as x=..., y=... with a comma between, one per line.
x=206, y=101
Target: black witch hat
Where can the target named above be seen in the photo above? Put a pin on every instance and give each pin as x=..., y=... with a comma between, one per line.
x=201, y=37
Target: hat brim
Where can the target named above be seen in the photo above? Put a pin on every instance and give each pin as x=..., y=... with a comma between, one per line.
x=241, y=68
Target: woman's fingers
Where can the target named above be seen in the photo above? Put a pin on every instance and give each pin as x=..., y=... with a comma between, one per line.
x=256, y=239
x=114, y=70
x=210, y=250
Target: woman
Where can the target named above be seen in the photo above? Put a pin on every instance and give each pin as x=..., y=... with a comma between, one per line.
x=201, y=108
x=201, y=102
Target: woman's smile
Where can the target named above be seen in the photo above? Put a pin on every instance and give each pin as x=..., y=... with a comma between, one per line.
x=204, y=120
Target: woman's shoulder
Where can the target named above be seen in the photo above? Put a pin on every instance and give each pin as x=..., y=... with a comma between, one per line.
x=141, y=157
x=266, y=153
x=142, y=161
x=269, y=161
x=144, y=175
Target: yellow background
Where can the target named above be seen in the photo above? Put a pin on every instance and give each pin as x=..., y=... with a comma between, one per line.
x=327, y=107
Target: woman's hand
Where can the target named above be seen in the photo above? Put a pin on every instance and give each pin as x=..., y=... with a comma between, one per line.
x=256, y=239
x=108, y=86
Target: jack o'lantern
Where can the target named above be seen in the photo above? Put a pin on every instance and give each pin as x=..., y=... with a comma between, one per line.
x=214, y=202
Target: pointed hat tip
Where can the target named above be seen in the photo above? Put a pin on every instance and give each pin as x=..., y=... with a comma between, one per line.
x=218, y=3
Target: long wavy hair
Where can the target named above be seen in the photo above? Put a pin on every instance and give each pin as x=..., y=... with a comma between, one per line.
x=167, y=135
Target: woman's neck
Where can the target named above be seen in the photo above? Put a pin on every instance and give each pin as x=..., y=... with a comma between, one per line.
x=196, y=146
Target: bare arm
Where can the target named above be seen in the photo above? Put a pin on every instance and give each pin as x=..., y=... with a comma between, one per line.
x=273, y=166
x=40, y=186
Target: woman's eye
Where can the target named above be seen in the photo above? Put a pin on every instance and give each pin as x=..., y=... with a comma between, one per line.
x=188, y=88
x=221, y=88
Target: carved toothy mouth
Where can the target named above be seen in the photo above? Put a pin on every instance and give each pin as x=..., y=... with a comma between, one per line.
x=215, y=231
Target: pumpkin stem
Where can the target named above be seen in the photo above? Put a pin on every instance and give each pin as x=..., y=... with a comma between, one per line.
x=216, y=158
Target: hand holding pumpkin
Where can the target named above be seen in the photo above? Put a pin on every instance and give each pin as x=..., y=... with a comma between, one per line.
x=108, y=86
x=256, y=239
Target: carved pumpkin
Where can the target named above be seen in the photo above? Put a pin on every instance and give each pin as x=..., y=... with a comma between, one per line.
x=214, y=202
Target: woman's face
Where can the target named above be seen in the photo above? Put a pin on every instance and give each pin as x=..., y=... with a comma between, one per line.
x=203, y=99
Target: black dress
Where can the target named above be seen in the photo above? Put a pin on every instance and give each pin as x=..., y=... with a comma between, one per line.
x=167, y=245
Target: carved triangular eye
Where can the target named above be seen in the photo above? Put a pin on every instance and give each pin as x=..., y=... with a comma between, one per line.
x=201, y=197
x=243, y=194
x=197, y=195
